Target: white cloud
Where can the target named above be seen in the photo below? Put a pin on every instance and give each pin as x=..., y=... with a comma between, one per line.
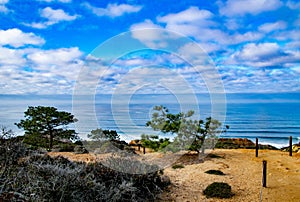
x=242, y=7
x=189, y=22
x=3, y=8
x=265, y=55
x=11, y=57
x=198, y=24
x=232, y=24
x=293, y=5
x=250, y=79
x=257, y=52
x=53, y=16
x=147, y=24
x=16, y=38
x=245, y=37
x=193, y=14
x=57, y=59
x=113, y=10
x=150, y=34
x=32, y=70
x=269, y=27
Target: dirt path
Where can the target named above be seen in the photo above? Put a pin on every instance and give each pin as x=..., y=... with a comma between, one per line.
x=244, y=174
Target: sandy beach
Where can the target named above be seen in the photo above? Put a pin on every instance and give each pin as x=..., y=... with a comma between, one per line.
x=243, y=172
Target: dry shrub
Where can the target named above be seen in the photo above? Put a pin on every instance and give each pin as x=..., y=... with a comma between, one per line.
x=38, y=177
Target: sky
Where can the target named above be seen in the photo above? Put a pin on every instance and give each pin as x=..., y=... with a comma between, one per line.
x=48, y=46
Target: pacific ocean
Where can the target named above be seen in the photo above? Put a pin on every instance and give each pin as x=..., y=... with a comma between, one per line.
x=270, y=117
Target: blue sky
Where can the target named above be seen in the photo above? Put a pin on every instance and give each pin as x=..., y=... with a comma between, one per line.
x=44, y=44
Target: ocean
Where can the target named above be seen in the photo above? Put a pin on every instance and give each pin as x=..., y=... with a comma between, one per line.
x=270, y=117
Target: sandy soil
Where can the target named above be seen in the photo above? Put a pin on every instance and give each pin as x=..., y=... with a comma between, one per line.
x=243, y=172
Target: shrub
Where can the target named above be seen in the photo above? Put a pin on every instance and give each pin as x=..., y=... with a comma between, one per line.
x=78, y=149
x=39, y=177
x=214, y=172
x=177, y=166
x=153, y=142
x=213, y=156
x=218, y=190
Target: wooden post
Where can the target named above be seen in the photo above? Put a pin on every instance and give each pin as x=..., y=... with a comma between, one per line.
x=144, y=150
x=291, y=146
x=256, y=147
x=264, y=179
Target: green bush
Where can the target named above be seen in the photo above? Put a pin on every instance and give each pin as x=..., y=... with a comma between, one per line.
x=37, y=142
x=214, y=172
x=176, y=166
x=153, y=142
x=218, y=190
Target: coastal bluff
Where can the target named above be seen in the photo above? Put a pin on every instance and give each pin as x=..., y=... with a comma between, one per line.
x=240, y=143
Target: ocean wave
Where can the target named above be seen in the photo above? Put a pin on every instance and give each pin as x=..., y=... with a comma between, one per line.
x=262, y=137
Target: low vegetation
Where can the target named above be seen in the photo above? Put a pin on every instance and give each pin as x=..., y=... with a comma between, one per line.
x=32, y=176
x=153, y=142
x=214, y=156
x=177, y=166
x=218, y=190
x=214, y=172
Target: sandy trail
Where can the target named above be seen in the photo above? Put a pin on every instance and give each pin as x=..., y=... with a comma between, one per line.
x=243, y=173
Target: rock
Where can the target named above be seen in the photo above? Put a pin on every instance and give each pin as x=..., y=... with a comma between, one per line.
x=234, y=143
x=134, y=142
x=295, y=148
x=270, y=147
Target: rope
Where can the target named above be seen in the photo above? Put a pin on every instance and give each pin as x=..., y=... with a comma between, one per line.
x=260, y=195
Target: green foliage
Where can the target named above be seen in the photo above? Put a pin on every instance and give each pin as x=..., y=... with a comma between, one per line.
x=178, y=166
x=100, y=134
x=214, y=172
x=153, y=142
x=35, y=142
x=47, y=122
x=218, y=190
x=190, y=134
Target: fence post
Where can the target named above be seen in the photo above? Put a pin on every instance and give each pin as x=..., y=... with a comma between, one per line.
x=264, y=179
x=291, y=146
x=144, y=150
x=256, y=147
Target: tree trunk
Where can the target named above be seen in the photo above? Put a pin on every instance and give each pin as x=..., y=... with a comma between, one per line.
x=51, y=140
x=202, y=144
x=202, y=149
